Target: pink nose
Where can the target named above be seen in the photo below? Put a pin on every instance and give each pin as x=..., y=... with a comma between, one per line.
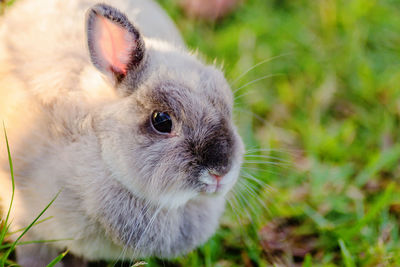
x=217, y=177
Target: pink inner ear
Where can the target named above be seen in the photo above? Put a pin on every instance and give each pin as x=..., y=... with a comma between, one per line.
x=115, y=44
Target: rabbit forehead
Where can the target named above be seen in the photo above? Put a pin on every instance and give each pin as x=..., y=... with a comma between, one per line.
x=187, y=102
x=168, y=66
x=187, y=93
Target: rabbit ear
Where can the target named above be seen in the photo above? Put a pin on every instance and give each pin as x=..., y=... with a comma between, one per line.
x=115, y=45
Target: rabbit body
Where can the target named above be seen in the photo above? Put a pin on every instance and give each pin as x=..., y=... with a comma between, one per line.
x=84, y=131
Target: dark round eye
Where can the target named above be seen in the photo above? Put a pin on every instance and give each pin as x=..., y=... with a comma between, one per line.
x=161, y=122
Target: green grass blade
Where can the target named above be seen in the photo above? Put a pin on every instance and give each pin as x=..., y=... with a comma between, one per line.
x=348, y=260
x=57, y=259
x=382, y=202
x=386, y=158
x=22, y=229
x=307, y=261
x=34, y=242
x=4, y=229
x=317, y=218
x=13, y=245
x=10, y=263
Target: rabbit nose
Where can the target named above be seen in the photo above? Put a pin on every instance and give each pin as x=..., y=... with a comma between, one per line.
x=216, y=176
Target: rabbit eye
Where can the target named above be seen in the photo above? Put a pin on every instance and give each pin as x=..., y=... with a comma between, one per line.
x=161, y=122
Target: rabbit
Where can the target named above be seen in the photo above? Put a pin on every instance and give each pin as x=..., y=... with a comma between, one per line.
x=104, y=105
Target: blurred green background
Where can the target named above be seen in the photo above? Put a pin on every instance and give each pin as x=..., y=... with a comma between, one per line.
x=317, y=100
x=320, y=117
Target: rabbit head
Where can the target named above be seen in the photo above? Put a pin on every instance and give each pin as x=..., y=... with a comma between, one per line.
x=169, y=137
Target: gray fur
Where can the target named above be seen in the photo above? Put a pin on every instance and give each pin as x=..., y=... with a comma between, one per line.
x=126, y=191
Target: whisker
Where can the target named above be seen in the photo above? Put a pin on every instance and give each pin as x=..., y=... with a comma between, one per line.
x=243, y=183
x=252, y=191
x=236, y=200
x=254, y=204
x=266, y=169
x=242, y=95
x=279, y=164
x=247, y=200
x=256, y=65
x=256, y=116
x=260, y=183
x=268, y=157
x=150, y=224
x=235, y=212
x=251, y=177
x=126, y=247
x=256, y=197
x=254, y=150
x=289, y=151
x=257, y=80
x=245, y=203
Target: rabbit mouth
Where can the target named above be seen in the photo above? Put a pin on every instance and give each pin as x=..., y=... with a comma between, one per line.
x=216, y=184
x=216, y=188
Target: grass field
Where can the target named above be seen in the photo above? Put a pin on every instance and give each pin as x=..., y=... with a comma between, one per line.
x=320, y=116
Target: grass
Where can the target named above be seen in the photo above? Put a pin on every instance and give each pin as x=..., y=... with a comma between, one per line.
x=325, y=109
x=6, y=248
